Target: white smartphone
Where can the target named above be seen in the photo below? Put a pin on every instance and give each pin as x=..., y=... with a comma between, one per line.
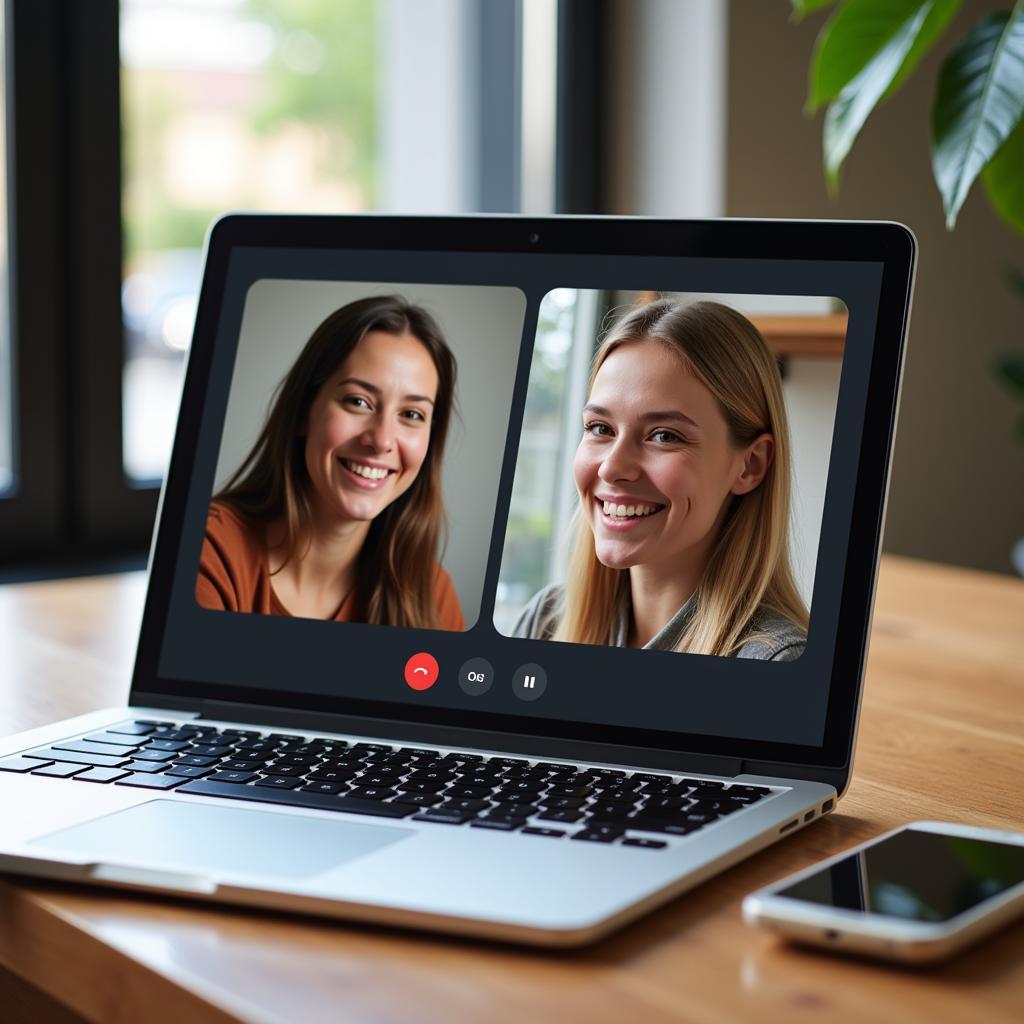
x=916, y=894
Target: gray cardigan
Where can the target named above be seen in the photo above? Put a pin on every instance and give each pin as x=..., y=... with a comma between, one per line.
x=778, y=639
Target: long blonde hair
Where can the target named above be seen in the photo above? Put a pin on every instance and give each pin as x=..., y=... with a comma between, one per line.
x=748, y=571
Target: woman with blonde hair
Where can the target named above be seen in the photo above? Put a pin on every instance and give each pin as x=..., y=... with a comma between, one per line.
x=683, y=476
x=337, y=511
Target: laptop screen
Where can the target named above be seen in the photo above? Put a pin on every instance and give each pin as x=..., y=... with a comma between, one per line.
x=563, y=492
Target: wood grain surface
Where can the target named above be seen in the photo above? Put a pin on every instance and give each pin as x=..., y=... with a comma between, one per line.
x=941, y=736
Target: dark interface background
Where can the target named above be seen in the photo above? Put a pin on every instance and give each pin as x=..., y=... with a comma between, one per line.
x=361, y=665
x=919, y=876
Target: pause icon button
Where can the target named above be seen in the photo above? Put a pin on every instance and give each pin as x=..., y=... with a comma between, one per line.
x=529, y=682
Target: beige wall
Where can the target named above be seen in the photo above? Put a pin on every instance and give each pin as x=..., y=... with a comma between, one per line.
x=957, y=492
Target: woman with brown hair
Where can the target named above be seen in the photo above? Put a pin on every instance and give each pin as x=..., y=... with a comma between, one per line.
x=337, y=511
x=683, y=475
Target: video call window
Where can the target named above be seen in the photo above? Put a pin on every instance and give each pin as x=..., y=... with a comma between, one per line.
x=360, y=437
x=671, y=473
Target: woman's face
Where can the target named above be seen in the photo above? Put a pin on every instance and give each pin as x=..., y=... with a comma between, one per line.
x=655, y=468
x=368, y=430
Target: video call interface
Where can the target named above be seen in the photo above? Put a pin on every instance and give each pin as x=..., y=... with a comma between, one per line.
x=569, y=488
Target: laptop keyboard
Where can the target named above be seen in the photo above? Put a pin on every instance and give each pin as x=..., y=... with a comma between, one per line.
x=506, y=794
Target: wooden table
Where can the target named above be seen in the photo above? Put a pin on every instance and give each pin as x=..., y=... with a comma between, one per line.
x=942, y=736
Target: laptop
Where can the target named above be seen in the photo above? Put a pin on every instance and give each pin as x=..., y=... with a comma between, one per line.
x=511, y=577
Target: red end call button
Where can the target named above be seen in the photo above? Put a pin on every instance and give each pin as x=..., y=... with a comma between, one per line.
x=421, y=671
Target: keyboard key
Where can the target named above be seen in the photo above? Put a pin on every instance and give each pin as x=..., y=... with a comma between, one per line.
x=135, y=728
x=150, y=781
x=60, y=771
x=565, y=816
x=516, y=810
x=249, y=734
x=146, y=767
x=73, y=757
x=85, y=747
x=442, y=817
x=553, y=833
x=420, y=787
x=23, y=764
x=498, y=824
x=297, y=798
x=191, y=761
x=373, y=793
x=562, y=803
x=285, y=771
x=648, y=777
x=597, y=833
x=100, y=775
x=421, y=799
x=324, y=787
x=209, y=749
x=188, y=771
x=154, y=755
x=467, y=792
x=279, y=782
x=610, y=809
x=118, y=739
x=172, y=745
x=329, y=774
x=647, y=844
x=235, y=778
x=464, y=805
x=233, y=764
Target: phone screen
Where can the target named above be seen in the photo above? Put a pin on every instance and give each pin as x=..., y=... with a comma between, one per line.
x=921, y=876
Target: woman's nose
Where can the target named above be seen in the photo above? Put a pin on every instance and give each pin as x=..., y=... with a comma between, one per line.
x=378, y=436
x=620, y=463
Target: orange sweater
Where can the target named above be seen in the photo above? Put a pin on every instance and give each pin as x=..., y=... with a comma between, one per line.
x=234, y=574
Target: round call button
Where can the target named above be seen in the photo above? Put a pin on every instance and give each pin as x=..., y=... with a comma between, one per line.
x=476, y=677
x=421, y=671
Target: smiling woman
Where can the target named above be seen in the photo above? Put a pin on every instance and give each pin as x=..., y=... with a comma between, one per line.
x=343, y=485
x=683, y=477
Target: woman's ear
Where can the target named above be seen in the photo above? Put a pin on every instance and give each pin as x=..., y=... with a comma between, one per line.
x=757, y=459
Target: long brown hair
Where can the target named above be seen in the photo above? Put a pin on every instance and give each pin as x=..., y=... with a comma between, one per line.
x=749, y=568
x=395, y=571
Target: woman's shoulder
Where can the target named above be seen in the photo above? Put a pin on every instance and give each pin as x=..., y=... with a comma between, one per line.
x=539, y=619
x=773, y=637
x=231, y=559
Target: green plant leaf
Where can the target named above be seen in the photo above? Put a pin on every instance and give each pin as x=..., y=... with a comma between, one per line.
x=1004, y=181
x=1015, y=279
x=802, y=7
x=850, y=109
x=1011, y=369
x=978, y=103
x=856, y=33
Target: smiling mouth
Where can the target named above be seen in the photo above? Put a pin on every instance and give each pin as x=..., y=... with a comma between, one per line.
x=634, y=510
x=371, y=474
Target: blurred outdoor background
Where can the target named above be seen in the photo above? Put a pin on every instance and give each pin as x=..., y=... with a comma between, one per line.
x=130, y=125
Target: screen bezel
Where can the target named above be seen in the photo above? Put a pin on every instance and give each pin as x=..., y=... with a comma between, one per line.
x=889, y=244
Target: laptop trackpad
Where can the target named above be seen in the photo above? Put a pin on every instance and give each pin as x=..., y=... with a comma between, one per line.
x=222, y=839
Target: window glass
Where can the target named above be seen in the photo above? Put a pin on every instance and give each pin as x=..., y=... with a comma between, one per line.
x=226, y=105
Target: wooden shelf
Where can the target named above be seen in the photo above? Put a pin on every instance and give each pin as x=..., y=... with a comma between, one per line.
x=795, y=336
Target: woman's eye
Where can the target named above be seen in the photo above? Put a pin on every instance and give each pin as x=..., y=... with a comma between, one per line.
x=357, y=401
x=415, y=415
x=667, y=437
x=597, y=429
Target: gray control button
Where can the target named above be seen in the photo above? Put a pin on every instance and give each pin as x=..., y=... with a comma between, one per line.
x=529, y=682
x=476, y=677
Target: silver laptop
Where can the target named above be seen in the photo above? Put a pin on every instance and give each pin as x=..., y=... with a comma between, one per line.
x=512, y=576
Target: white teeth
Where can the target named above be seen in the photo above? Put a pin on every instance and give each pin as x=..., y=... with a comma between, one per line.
x=626, y=511
x=370, y=472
